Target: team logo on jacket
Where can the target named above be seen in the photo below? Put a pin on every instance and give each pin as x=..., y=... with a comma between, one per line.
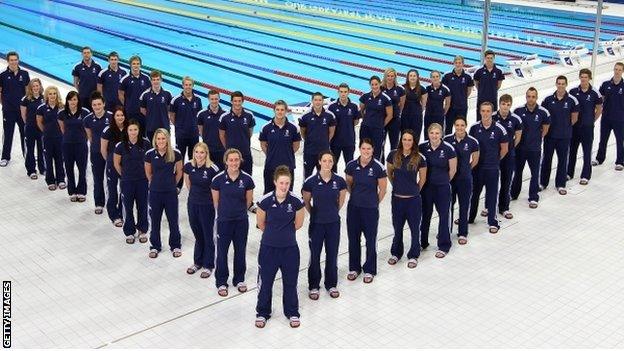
x=370, y=172
x=440, y=92
x=348, y=112
x=379, y=102
x=466, y=147
x=492, y=135
x=241, y=184
x=289, y=208
x=494, y=75
x=334, y=185
x=205, y=174
x=565, y=104
x=324, y=121
x=110, y=76
x=620, y=92
x=286, y=133
x=588, y=97
x=463, y=80
x=93, y=70
x=441, y=153
x=21, y=79
x=162, y=99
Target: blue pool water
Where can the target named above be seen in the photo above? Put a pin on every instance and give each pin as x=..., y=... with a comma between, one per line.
x=283, y=49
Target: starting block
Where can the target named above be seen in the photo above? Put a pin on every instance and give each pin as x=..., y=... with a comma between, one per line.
x=614, y=47
x=525, y=67
x=572, y=57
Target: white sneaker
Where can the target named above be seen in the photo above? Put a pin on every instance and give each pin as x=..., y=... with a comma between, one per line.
x=619, y=168
x=4, y=163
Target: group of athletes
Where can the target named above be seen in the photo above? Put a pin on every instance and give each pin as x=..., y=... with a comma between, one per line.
x=121, y=121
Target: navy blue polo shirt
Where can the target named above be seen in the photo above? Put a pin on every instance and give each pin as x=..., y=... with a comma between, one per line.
x=210, y=131
x=613, y=97
x=395, y=93
x=490, y=140
x=163, y=173
x=232, y=195
x=236, y=129
x=186, y=115
x=588, y=100
x=279, y=230
x=88, y=78
x=437, y=161
x=132, y=159
x=109, y=134
x=97, y=126
x=325, y=196
x=560, y=115
x=74, y=127
x=31, y=109
x=346, y=115
x=412, y=100
x=133, y=87
x=201, y=179
x=375, y=109
x=532, y=122
x=317, y=131
x=13, y=88
x=405, y=178
x=111, y=81
x=364, y=189
x=51, y=128
x=463, y=149
x=435, y=100
x=512, y=124
x=488, y=84
x=458, y=85
x=156, y=107
x=279, y=144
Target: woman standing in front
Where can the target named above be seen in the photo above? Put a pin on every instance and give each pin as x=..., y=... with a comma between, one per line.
x=163, y=168
x=112, y=135
x=467, y=150
x=198, y=174
x=366, y=182
x=75, y=149
x=280, y=214
x=324, y=194
x=415, y=101
x=441, y=167
x=232, y=194
x=47, y=121
x=32, y=135
x=129, y=164
x=407, y=170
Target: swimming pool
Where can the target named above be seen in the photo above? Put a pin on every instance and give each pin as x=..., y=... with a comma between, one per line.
x=272, y=49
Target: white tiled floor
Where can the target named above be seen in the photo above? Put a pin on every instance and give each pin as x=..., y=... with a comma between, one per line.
x=552, y=278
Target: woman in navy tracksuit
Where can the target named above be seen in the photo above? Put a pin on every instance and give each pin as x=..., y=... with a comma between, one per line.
x=47, y=121
x=366, y=181
x=128, y=160
x=28, y=108
x=396, y=93
x=198, y=174
x=407, y=170
x=75, y=150
x=324, y=194
x=112, y=135
x=163, y=168
x=415, y=100
x=441, y=168
x=377, y=112
x=232, y=195
x=95, y=124
x=280, y=214
x=467, y=150
x=438, y=102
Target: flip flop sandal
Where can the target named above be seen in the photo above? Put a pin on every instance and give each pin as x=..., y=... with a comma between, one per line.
x=393, y=260
x=493, y=230
x=130, y=239
x=352, y=276
x=295, y=322
x=142, y=238
x=368, y=278
x=51, y=187
x=118, y=223
x=206, y=273
x=456, y=221
x=412, y=263
x=533, y=205
x=241, y=287
x=153, y=253
x=334, y=293
x=314, y=294
x=440, y=254
x=462, y=240
x=177, y=253
x=562, y=191
x=81, y=198
x=73, y=198
x=260, y=322
x=223, y=292
x=484, y=213
x=192, y=269
x=508, y=215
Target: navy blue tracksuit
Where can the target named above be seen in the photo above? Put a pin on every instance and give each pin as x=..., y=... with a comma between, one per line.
x=344, y=137
x=33, y=136
x=186, y=130
x=406, y=204
x=612, y=120
x=278, y=251
x=488, y=86
x=75, y=150
x=393, y=129
x=434, y=112
x=437, y=191
x=111, y=81
x=87, y=80
x=232, y=224
x=583, y=130
x=363, y=213
x=163, y=197
x=458, y=86
x=13, y=86
x=461, y=185
x=201, y=213
x=558, y=137
x=374, y=116
x=52, y=144
x=486, y=172
x=156, y=105
x=237, y=130
x=529, y=149
x=324, y=228
x=209, y=120
x=113, y=202
x=412, y=115
x=316, y=137
x=512, y=124
x=97, y=125
x=132, y=87
x=134, y=187
x=279, y=152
